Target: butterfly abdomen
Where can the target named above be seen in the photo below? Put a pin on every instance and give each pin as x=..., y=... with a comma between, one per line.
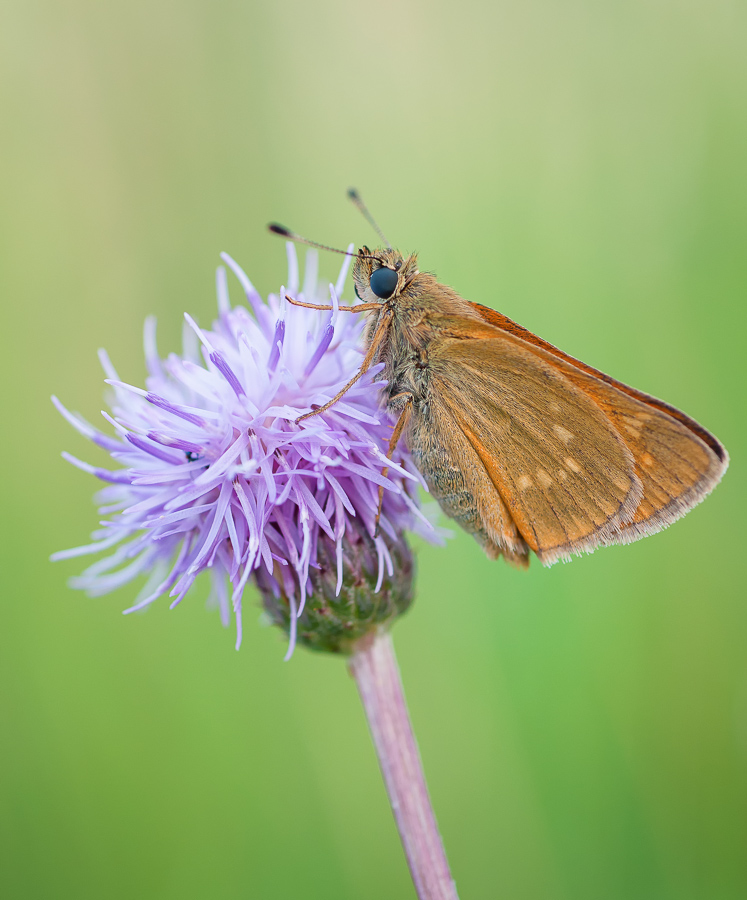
x=446, y=485
x=457, y=483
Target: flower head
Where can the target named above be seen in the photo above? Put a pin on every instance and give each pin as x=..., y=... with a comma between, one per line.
x=213, y=474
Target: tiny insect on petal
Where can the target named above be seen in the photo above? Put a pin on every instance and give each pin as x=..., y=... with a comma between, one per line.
x=216, y=476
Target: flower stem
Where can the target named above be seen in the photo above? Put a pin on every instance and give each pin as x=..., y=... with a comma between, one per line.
x=374, y=667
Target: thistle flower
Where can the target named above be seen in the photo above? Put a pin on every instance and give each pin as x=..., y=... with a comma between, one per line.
x=214, y=475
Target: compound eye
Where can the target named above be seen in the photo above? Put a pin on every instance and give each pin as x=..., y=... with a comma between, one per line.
x=384, y=282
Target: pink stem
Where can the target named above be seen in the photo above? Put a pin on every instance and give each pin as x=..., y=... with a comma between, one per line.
x=374, y=667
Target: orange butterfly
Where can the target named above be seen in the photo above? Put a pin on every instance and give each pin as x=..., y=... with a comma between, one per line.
x=522, y=445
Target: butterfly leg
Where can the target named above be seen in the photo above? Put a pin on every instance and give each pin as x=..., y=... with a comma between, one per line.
x=376, y=341
x=361, y=307
x=404, y=418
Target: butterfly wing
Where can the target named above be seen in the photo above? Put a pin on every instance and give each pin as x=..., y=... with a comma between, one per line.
x=678, y=461
x=560, y=453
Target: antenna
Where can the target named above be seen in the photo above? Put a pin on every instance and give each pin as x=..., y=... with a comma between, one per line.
x=292, y=236
x=356, y=198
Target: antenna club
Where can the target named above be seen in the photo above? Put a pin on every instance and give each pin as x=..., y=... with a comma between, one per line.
x=292, y=236
x=358, y=201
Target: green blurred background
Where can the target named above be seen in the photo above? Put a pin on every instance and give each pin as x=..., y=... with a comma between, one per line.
x=581, y=167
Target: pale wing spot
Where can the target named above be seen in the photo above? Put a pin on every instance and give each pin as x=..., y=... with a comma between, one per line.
x=524, y=482
x=621, y=482
x=632, y=424
x=572, y=464
x=562, y=475
x=647, y=460
x=565, y=436
x=543, y=478
x=608, y=507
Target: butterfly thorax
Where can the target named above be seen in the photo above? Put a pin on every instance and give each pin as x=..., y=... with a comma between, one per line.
x=414, y=315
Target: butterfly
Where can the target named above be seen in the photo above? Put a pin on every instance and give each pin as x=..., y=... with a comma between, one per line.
x=525, y=447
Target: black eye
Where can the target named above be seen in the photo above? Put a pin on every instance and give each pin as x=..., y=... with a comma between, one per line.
x=384, y=282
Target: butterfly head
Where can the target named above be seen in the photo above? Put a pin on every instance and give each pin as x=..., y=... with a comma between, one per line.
x=382, y=275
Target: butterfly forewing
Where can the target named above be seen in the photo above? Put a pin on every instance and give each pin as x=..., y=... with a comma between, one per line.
x=576, y=458
x=677, y=468
x=552, y=455
x=678, y=461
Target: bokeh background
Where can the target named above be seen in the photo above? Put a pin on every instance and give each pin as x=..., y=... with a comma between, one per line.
x=581, y=167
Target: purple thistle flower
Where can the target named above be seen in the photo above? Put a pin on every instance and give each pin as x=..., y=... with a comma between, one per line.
x=212, y=473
